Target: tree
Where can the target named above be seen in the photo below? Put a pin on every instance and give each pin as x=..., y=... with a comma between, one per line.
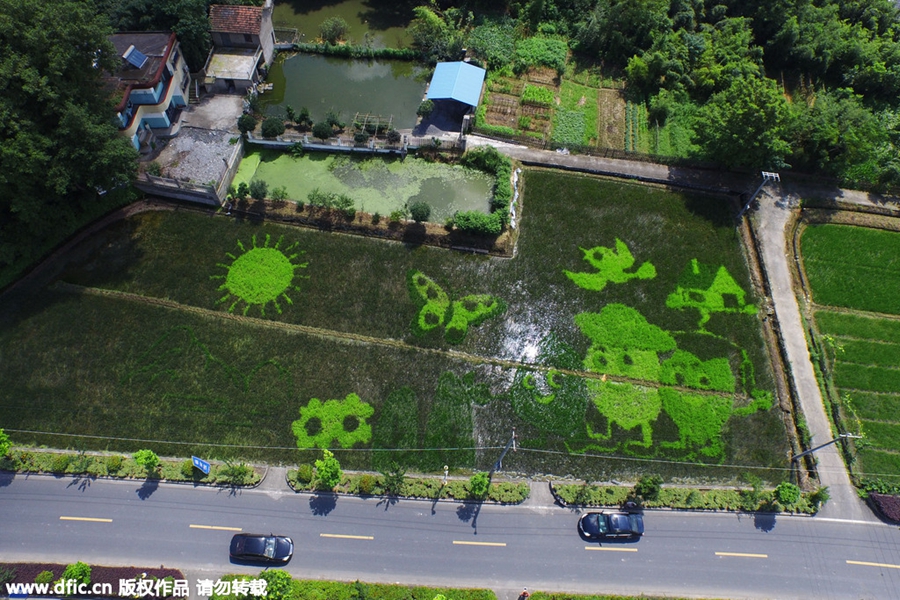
x=333, y=29
x=425, y=108
x=648, y=487
x=5, y=444
x=59, y=147
x=393, y=478
x=745, y=125
x=432, y=37
x=322, y=131
x=787, y=493
x=259, y=189
x=479, y=485
x=278, y=584
x=246, y=123
x=328, y=472
x=420, y=211
x=393, y=136
x=147, y=459
x=290, y=114
x=272, y=127
x=78, y=571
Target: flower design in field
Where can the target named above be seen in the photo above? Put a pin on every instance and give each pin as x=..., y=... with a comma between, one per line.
x=344, y=421
x=259, y=275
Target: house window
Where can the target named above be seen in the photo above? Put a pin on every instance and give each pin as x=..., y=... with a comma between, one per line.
x=248, y=38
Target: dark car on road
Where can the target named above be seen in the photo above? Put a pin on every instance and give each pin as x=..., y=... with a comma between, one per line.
x=253, y=547
x=610, y=524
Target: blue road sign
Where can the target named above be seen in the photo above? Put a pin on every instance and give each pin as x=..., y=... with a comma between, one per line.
x=201, y=464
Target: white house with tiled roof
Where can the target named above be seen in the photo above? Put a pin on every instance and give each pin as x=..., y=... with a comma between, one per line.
x=233, y=26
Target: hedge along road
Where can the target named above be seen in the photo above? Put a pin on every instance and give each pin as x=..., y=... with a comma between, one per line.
x=775, y=211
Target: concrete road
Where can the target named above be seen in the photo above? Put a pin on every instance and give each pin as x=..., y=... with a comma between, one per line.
x=446, y=543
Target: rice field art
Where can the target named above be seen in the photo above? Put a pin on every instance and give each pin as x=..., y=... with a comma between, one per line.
x=259, y=275
x=644, y=380
x=437, y=310
x=322, y=424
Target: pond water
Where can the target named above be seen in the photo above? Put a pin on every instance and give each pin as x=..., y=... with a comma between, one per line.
x=376, y=184
x=321, y=83
x=380, y=23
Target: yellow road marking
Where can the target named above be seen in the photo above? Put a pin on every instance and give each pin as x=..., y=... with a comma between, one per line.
x=91, y=519
x=216, y=527
x=871, y=564
x=611, y=549
x=743, y=554
x=460, y=543
x=347, y=537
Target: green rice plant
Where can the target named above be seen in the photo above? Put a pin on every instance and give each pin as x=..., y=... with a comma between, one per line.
x=875, y=407
x=866, y=378
x=397, y=428
x=432, y=300
x=342, y=421
x=628, y=406
x=611, y=265
x=568, y=127
x=857, y=326
x=450, y=421
x=883, y=436
x=853, y=267
x=866, y=352
x=435, y=308
x=537, y=95
x=471, y=311
x=259, y=275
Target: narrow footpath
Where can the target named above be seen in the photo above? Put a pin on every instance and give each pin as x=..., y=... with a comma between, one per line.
x=770, y=220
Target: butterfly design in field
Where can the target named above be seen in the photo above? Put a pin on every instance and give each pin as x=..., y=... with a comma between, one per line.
x=436, y=308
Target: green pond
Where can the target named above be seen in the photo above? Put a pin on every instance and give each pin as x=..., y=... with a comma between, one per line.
x=386, y=88
x=376, y=184
x=381, y=23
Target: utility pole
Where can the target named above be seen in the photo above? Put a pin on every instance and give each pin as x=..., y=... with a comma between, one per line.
x=510, y=444
x=843, y=436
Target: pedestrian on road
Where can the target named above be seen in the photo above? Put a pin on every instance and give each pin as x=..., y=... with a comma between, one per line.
x=524, y=594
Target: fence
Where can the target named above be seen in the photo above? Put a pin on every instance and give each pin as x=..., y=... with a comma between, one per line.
x=180, y=190
x=233, y=162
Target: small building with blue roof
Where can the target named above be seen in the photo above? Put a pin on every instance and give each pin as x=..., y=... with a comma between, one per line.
x=457, y=81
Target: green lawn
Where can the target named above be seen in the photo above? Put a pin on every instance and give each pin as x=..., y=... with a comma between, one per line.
x=236, y=357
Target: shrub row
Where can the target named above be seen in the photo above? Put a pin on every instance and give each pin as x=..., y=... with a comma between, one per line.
x=302, y=479
x=696, y=498
x=479, y=223
x=351, y=51
x=36, y=461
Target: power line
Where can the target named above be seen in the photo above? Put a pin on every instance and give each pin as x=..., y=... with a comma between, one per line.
x=375, y=450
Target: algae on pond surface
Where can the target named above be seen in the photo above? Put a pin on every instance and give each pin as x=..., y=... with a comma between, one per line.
x=376, y=184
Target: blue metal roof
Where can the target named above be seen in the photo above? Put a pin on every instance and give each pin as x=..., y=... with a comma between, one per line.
x=458, y=81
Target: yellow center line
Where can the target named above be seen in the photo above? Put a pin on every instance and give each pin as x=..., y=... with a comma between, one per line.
x=346, y=537
x=91, y=519
x=216, y=527
x=611, y=549
x=461, y=543
x=743, y=554
x=871, y=564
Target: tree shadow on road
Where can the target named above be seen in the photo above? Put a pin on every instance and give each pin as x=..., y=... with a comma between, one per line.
x=322, y=503
x=468, y=511
x=764, y=521
x=83, y=482
x=389, y=501
x=147, y=489
x=6, y=478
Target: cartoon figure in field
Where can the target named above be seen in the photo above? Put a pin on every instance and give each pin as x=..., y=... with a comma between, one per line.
x=709, y=292
x=611, y=265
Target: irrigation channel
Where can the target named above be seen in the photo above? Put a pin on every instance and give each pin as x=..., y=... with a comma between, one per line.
x=376, y=184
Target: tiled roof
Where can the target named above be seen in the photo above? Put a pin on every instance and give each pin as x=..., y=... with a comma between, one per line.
x=235, y=19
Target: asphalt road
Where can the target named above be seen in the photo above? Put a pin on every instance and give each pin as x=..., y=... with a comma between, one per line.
x=446, y=543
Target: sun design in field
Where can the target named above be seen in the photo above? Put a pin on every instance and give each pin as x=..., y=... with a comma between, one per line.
x=260, y=274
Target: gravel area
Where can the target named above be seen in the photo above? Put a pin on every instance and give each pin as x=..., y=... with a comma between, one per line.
x=196, y=155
